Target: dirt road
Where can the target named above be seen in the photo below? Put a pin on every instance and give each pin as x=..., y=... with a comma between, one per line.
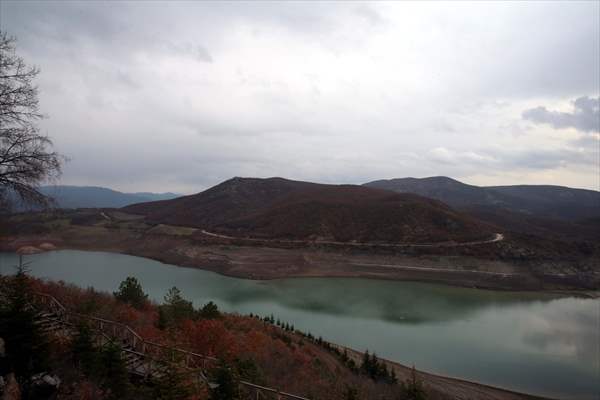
x=498, y=237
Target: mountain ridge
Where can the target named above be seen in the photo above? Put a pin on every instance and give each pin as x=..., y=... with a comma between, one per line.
x=282, y=208
x=548, y=201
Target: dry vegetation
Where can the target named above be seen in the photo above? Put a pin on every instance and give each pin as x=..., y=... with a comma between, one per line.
x=277, y=208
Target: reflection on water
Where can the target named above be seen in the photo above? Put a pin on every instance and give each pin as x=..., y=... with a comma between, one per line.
x=566, y=330
x=523, y=341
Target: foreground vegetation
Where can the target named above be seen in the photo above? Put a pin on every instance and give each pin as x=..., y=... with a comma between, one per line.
x=260, y=350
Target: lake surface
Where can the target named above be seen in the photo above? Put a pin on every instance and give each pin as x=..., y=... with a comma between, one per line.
x=528, y=342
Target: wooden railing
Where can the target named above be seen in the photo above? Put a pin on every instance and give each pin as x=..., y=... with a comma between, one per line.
x=130, y=340
x=154, y=354
x=262, y=392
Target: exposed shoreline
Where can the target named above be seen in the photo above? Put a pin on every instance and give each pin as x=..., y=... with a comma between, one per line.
x=411, y=273
x=497, y=263
x=585, y=294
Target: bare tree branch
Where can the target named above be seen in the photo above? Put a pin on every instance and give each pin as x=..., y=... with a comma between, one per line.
x=26, y=158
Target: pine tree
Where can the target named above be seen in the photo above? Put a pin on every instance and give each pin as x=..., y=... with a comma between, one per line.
x=211, y=311
x=375, y=367
x=175, y=309
x=227, y=387
x=351, y=393
x=85, y=354
x=163, y=321
x=393, y=377
x=412, y=388
x=345, y=355
x=26, y=346
x=384, y=373
x=113, y=372
x=366, y=363
x=130, y=291
x=171, y=386
x=352, y=365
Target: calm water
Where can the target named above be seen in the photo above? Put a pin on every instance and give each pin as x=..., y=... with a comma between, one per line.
x=528, y=342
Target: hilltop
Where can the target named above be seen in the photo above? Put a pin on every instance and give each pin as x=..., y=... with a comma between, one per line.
x=277, y=208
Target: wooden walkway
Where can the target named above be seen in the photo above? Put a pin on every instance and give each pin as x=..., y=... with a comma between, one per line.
x=142, y=358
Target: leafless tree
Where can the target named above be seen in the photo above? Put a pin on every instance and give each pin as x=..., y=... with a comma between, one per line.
x=26, y=156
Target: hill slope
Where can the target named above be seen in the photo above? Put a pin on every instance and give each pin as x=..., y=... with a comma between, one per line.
x=553, y=201
x=536, y=200
x=280, y=208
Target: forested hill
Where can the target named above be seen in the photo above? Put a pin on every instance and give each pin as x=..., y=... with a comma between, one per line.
x=277, y=208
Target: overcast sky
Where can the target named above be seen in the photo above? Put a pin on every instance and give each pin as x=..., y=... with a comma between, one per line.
x=180, y=96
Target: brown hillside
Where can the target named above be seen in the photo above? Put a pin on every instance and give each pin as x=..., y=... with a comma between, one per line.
x=279, y=208
x=232, y=199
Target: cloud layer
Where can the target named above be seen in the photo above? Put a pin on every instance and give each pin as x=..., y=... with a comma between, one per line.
x=181, y=95
x=585, y=116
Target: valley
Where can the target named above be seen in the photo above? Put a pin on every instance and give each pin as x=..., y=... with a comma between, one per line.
x=473, y=265
x=414, y=273
x=278, y=228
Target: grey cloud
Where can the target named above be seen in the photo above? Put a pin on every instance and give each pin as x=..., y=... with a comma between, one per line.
x=500, y=158
x=587, y=141
x=554, y=52
x=295, y=89
x=452, y=157
x=585, y=116
x=369, y=14
x=548, y=159
x=196, y=51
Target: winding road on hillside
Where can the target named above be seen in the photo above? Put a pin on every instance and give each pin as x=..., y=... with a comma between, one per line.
x=498, y=237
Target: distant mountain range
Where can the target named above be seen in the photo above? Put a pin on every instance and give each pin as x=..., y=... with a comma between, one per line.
x=419, y=210
x=281, y=208
x=96, y=197
x=541, y=210
x=535, y=200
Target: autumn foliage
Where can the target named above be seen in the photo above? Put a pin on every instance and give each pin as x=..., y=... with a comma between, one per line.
x=254, y=348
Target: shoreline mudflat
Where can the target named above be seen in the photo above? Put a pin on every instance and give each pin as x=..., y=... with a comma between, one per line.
x=265, y=263
x=591, y=294
x=497, y=263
